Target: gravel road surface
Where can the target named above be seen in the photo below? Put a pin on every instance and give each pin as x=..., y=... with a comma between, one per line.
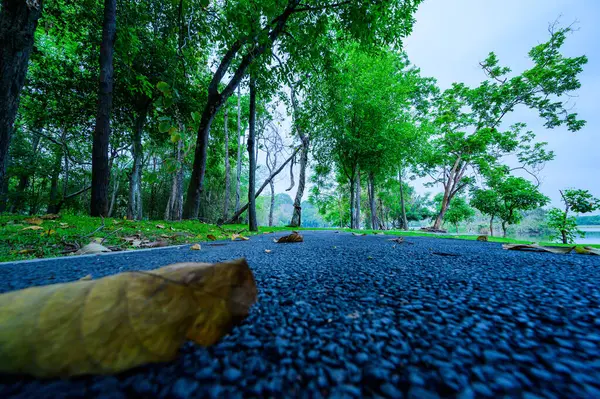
x=354, y=316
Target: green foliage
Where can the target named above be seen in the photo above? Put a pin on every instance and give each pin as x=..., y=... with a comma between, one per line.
x=458, y=211
x=564, y=225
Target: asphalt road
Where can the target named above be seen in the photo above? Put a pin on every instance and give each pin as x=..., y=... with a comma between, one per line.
x=346, y=316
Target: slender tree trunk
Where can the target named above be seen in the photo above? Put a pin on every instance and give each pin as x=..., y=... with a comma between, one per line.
x=18, y=21
x=440, y=217
x=100, y=162
x=404, y=220
x=272, y=206
x=239, y=153
x=134, y=207
x=503, y=229
x=53, y=198
x=492, y=226
x=113, y=197
x=357, y=199
x=297, y=215
x=372, y=203
x=227, y=167
x=252, y=224
x=352, y=202
x=175, y=203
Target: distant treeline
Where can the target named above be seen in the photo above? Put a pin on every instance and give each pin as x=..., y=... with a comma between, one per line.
x=588, y=220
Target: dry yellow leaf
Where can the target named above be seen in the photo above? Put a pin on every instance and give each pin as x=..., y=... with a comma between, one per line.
x=32, y=228
x=118, y=322
x=294, y=237
x=36, y=221
x=241, y=237
x=195, y=247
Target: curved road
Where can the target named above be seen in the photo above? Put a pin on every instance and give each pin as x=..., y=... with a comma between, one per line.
x=347, y=316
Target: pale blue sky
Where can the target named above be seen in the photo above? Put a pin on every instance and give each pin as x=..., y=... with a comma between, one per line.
x=450, y=37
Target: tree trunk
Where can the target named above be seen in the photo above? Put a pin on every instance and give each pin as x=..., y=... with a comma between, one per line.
x=297, y=215
x=565, y=240
x=18, y=21
x=503, y=229
x=113, y=197
x=100, y=163
x=492, y=226
x=440, y=217
x=227, y=167
x=53, y=199
x=134, y=207
x=252, y=224
x=403, y=220
x=352, y=202
x=272, y=206
x=175, y=204
x=372, y=203
x=357, y=199
x=194, y=192
x=239, y=153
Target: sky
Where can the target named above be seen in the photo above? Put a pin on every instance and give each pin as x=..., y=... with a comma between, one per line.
x=451, y=37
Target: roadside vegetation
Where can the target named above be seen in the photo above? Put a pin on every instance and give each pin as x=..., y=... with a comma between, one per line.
x=31, y=237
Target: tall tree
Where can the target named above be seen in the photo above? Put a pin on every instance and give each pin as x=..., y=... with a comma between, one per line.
x=100, y=164
x=469, y=136
x=227, y=166
x=254, y=33
x=18, y=21
x=252, y=223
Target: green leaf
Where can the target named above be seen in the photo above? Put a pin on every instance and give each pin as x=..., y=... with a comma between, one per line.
x=163, y=86
x=164, y=126
x=167, y=101
x=196, y=116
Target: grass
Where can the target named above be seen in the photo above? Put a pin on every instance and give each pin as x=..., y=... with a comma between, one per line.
x=22, y=237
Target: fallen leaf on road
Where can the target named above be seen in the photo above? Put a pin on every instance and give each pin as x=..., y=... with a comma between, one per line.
x=92, y=248
x=359, y=234
x=195, y=247
x=538, y=248
x=36, y=221
x=294, y=237
x=399, y=240
x=112, y=324
x=587, y=251
x=268, y=251
x=50, y=216
x=32, y=228
x=241, y=237
x=211, y=237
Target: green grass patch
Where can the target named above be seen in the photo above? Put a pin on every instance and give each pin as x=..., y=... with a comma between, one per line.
x=21, y=238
